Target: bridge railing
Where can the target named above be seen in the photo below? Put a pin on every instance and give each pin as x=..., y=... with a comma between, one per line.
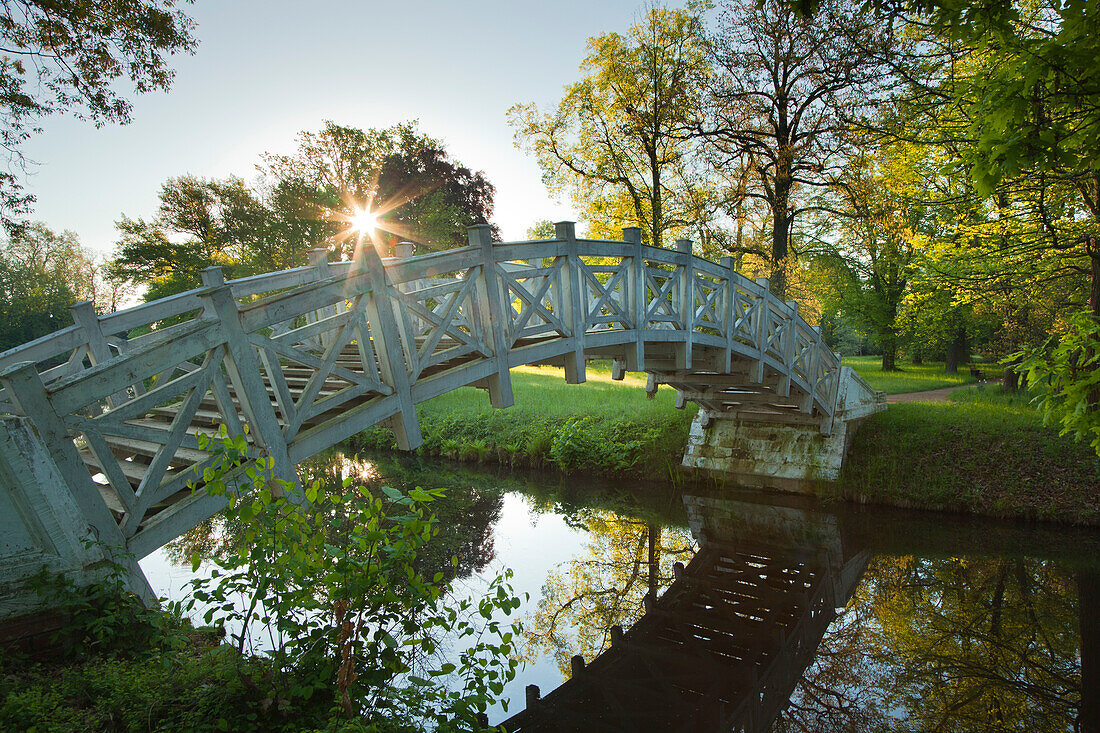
x=306, y=357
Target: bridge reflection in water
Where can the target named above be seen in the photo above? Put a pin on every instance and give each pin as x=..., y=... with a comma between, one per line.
x=951, y=623
x=723, y=647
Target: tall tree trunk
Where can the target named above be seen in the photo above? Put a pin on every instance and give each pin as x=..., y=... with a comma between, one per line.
x=889, y=352
x=956, y=351
x=1094, y=289
x=918, y=354
x=1012, y=377
x=781, y=233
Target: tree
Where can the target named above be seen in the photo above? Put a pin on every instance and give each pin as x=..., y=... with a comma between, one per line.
x=70, y=56
x=303, y=201
x=427, y=198
x=406, y=178
x=41, y=275
x=541, y=229
x=619, y=140
x=869, y=254
x=627, y=559
x=777, y=105
x=200, y=223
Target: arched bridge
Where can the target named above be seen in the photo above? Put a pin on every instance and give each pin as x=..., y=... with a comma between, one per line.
x=110, y=408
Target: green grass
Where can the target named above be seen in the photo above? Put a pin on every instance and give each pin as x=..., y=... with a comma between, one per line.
x=601, y=426
x=984, y=452
x=911, y=378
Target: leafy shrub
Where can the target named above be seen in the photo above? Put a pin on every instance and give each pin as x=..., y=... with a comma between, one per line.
x=332, y=584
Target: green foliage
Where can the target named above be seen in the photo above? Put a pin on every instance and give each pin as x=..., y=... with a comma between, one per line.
x=71, y=56
x=587, y=444
x=41, y=275
x=327, y=585
x=1064, y=374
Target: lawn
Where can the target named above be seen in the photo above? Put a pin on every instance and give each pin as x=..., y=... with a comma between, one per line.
x=984, y=452
x=601, y=426
x=911, y=378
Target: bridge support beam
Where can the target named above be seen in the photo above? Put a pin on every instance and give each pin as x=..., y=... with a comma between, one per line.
x=45, y=525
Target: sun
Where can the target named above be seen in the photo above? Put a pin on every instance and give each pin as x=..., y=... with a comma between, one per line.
x=363, y=220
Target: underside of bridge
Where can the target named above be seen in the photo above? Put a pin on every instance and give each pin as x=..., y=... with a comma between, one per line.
x=100, y=422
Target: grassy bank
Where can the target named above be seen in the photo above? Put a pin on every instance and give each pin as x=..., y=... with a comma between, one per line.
x=603, y=426
x=910, y=377
x=984, y=452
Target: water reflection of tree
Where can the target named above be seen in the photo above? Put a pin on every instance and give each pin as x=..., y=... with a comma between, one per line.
x=948, y=644
x=465, y=516
x=625, y=559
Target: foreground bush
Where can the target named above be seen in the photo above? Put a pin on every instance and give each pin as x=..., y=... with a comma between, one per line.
x=333, y=626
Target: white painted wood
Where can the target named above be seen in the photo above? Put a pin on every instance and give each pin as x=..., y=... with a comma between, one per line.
x=573, y=300
x=493, y=317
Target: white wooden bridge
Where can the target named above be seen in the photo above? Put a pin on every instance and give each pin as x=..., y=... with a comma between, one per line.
x=103, y=417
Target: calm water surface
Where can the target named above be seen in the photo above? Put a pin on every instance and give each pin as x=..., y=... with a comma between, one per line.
x=681, y=608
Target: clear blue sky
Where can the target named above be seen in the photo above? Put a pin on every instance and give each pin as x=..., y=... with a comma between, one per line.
x=264, y=71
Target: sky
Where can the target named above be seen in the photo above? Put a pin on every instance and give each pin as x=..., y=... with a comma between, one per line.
x=264, y=71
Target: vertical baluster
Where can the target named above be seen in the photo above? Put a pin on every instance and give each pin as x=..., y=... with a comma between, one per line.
x=807, y=405
x=686, y=275
x=493, y=319
x=763, y=315
x=729, y=315
x=243, y=367
x=635, y=352
x=573, y=301
x=98, y=351
x=389, y=349
x=790, y=339
x=834, y=396
x=318, y=258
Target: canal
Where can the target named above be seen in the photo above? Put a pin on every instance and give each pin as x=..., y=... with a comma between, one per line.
x=703, y=608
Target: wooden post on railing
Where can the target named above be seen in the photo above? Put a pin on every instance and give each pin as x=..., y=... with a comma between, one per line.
x=807, y=405
x=573, y=301
x=635, y=353
x=687, y=301
x=763, y=314
x=243, y=368
x=318, y=258
x=729, y=317
x=493, y=318
x=389, y=349
x=834, y=396
x=790, y=339
x=98, y=351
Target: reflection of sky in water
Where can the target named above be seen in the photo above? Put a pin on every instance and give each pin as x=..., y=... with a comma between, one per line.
x=530, y=544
